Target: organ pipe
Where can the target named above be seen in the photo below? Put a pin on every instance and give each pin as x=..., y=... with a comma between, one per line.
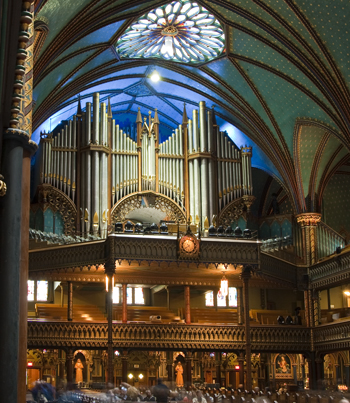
x=197, y=166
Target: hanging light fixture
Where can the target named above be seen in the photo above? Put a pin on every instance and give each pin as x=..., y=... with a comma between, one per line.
x=224, y=286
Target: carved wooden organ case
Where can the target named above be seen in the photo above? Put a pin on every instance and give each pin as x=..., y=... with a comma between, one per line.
x=97, y=165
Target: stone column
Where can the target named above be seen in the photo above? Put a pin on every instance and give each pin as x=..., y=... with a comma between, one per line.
x=70, y=301
x=69, y=366
x=124, y=305
x=14, y=245
x=246, y=274
x=124, y=358
x=187, y=305
x=188, y=362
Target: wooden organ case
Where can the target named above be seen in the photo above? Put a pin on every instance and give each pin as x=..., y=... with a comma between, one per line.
x=199, y=169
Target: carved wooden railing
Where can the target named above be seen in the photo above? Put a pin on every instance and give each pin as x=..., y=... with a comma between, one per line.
x=331, y=271
x=332, y=336
x=142, y=248
x=272, y=266
x=165, y=336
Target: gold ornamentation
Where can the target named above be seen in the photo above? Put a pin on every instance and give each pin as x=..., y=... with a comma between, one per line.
x=308, y=219
x=189, y=246
x=3, y=187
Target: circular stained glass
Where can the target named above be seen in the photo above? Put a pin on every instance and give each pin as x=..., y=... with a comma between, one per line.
x=181, y=31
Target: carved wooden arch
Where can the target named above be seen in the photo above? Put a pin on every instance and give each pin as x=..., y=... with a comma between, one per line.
x=232, y=212
x=133, y=201
x=54, y=198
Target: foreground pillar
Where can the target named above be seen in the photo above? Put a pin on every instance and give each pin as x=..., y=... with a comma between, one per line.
x=14, y=245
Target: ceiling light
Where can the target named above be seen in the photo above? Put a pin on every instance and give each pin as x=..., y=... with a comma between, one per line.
x=224, y=286
x=130, y=376
x=347, y=293
x=155, y=77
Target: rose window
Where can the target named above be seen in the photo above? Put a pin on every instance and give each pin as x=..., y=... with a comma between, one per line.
x=181, y=31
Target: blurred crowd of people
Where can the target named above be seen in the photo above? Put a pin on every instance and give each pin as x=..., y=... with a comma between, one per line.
x=44, y=392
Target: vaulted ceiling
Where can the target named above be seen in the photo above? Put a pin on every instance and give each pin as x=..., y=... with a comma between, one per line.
x=283, y=79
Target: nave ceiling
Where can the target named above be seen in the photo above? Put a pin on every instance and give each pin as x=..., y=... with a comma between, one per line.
x=283, y=80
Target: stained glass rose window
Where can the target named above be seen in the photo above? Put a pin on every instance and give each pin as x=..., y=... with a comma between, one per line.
x=181, y=31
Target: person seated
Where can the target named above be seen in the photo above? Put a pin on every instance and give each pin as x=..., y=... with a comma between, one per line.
x=149, y=397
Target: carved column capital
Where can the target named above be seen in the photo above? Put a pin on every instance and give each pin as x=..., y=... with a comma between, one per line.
x=3, y=187
x=308, y=219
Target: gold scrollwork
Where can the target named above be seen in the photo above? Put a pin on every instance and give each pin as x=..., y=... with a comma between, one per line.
x=3, y=187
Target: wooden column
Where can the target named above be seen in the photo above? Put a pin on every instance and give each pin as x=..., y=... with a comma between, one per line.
x=124, y=304
x=187, y=305
x=241, y=368
x=218, y=368
x=110, y=353
x=169, y=365
x=239, y=305
x=124, y=366
x=69, y=366
x=70, y=301
x=188, y=360
x=246, y=274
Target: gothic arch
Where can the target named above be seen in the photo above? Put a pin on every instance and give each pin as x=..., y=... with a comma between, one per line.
x=135, y=201
x=54, y=198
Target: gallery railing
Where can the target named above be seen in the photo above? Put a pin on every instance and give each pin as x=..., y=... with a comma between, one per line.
x=167, y=336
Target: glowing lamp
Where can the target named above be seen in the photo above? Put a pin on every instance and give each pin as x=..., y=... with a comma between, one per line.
x=237, y=367
x=224, y=286
x=130, y=376
x=155, y=77
x=29, y=364
x=140, y=376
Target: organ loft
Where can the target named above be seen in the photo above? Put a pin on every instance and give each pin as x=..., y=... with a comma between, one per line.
x=98, y=166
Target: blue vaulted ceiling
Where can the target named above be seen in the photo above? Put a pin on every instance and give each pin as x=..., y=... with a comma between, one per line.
x=283, y=68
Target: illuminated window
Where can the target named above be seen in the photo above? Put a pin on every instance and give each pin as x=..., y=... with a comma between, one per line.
x=31, y=288
x=116, y=295
x=209, y=298
x=42, y=290
x=129, y=295
x=221, y=299
x=139, y=298
x=232, y=296
x=181, y=31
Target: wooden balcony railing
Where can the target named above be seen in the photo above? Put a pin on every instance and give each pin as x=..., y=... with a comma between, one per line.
x=167, y=336
x=333, y=336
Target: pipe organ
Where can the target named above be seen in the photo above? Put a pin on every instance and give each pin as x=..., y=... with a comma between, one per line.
x=96, y=164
